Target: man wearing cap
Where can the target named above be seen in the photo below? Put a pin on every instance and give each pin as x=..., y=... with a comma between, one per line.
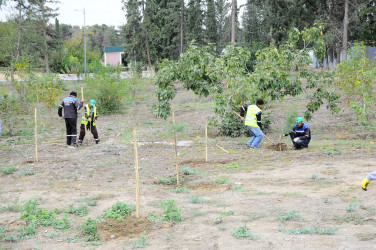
x=70, y=106
x=301, y=134
x=88, y=120
x=253, y=122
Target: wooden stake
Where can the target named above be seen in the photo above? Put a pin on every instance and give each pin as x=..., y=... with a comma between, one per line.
x=136, y=170
x=206, y=142
x=36, y=137
x=222, y=148
x=176, y=152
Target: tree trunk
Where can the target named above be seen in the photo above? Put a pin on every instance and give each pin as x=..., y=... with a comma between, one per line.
x=345, y=28
x=146, y=36
x=182, y=28
x=331, y=57
x=338, y=61
x=44, y=25
x=233, y=21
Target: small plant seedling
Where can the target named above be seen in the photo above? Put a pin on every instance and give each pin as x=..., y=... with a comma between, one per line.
x=180, y=189
x=188, y=171
x=196, y=199
x=170, y=211
x=354, y=205
x=218, y=220
x=242, y=232
x=26, y=172
x=92, y=203
x=238, y=189
x=153, y=217
x=315, y=177
x=333, y=152
x=167, y=181
x=227, y=213
x=289, y=216
x=142, y=243
x=89, y=229
x=52, y=235
x=222, y=180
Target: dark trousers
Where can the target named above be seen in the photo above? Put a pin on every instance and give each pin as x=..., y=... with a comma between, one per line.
x=90, y=127
x=71, y=125
x=300, y=143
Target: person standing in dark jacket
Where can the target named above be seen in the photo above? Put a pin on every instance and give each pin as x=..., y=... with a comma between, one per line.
x=70, y=106
x=301, y=134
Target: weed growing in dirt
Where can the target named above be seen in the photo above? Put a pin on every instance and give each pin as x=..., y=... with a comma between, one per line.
x=10, y=208
x=81, y=210
x=92, y=203
x=315, y=177
x=26, y=172
x=242, y=232
x=7, y=170
x=227, y=213
x=170, y=211
x=188, y=171
x=292, y=215
x=238, y=189
x=218, y=220
x=71, y=240
x=332, y=152
x=196, y=200
x=89, y=229
x=222, y=180
x=355, y=218
x=260, y=192
x=354, y=205
x=142, y=243
x=119, y=211
x=52, y=235
x=153, y=217
x=366, y=236
x=167, y=181
x=180, y=189
x=311, y=230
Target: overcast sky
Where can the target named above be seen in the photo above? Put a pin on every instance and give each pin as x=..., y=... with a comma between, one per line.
x=96, y=12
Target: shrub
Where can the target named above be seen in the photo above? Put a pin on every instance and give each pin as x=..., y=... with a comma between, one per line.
x=242, y=232
x=109, y=91
x=170, y=211
x=89, y=229
x=7, y=170
x=119, y=211
x=81, y=210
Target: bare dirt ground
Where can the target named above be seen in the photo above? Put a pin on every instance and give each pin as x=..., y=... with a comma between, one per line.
x=308, y=199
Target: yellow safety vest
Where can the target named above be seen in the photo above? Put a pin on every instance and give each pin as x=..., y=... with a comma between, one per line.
x=84, y=119
x=250, y=118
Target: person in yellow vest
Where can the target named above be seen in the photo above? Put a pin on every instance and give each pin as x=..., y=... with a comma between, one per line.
x=253, y=122
x=89, y=120
x=370, y=177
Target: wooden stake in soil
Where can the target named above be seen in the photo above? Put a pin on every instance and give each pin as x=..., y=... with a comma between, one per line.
x=176, y=151
x=206, y=142
x=36, y=137
x=222, y=148
x=136, y=170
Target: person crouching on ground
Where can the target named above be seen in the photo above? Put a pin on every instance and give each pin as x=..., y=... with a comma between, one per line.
x=368, y=179
x=70, y=106
x=88, y=120
x=253, y=122
x=300, y=135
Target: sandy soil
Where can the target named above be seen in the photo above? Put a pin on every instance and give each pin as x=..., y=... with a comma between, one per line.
x=319, y=188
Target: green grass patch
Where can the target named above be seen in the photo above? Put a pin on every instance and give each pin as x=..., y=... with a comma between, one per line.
x=196, y=200
x=180, y=189
x=80, y=210
x=168, y=181
x=222, y=180
x=188, y=171
x=7, y=170
x=353, y=206
x=311, y=230
x=26, y=172
x=92, y=203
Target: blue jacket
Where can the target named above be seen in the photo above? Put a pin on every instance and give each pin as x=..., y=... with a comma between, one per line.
x=70, y=106
x=303, y=132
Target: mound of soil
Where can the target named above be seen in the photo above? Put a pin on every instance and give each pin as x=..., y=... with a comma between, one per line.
x=130, y=226
x=278, y=147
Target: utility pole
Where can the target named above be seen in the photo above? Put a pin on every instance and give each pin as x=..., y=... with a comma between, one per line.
x=83, y=10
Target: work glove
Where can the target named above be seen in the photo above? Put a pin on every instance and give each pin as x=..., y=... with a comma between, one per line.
x=296, y=139
x=365, y=183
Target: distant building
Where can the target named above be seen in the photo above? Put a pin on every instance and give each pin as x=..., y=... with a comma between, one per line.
x=112, y=55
